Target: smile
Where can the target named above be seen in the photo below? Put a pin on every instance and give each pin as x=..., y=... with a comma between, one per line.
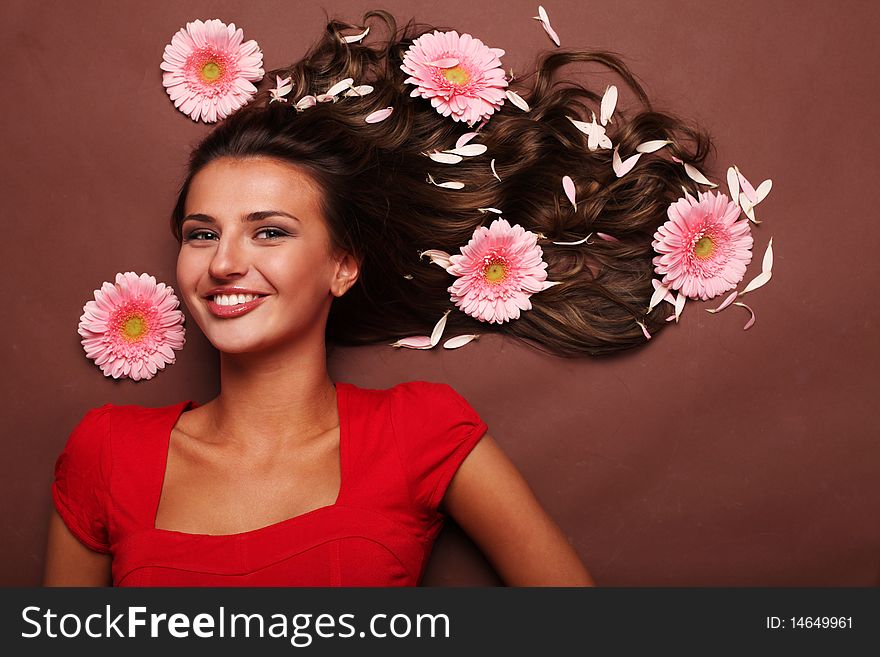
x=233, y=305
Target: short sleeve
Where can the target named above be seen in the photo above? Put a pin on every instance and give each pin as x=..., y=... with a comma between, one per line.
x=79, y=490
x=436, y=429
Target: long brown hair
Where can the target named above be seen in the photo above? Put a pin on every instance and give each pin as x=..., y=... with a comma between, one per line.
x=381, y=208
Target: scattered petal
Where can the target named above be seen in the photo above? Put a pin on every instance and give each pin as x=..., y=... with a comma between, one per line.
x=408, y=277
x=580, y=241
x=595, y=132
x=724, y=304
x=283, y=87
x=570, y=192
x=660, y=292
x=445, y=158
x=695, y=175
x=767, y=264
x=465, y=138
x=548, y=284
x=485, y=210
x=624, y=167
x=469, y=150
x=752, y=320
x=763, y=190
x=606, y=237
x=652, y=146
x=644, y=329
x=339, y=87
x=748, y=208
x=494, y=173
x=545, y=23
x=379, y=115
x=437, y=257
x=305, y=102
x=679, y=304
x=446, y=185
x=609, y=102
x=356, y=37
x=517, y=100
x=656, y=283
x=747, y=188
x=414, y=342
x=361, y=90
x=733, y=184
x=459, y=341
x=438, y=329
x=757, y=281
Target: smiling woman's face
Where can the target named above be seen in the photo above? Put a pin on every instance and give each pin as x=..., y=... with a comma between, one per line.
x=256, y=226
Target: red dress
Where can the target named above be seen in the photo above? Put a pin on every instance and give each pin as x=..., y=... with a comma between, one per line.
x=399, y=449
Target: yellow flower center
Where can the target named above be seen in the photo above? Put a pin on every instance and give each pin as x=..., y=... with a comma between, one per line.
x=211, y=71
x=495, y=272
x=704, y=247
x=134, y=328
x=456, y=75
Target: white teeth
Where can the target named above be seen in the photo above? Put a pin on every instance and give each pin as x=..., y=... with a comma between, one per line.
x=233, y=299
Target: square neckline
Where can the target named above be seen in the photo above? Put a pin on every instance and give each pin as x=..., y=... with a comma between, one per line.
x=341, y=410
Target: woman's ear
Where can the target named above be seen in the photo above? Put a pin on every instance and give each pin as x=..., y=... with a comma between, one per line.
x=345, y=273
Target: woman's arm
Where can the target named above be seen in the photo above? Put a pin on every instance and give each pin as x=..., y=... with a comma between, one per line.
x=492, y=502
x=69, y=562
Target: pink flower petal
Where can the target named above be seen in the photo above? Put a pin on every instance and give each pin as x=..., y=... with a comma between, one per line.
x=545, y=23
x=644, y=329
x=652, y=146
x=609, y=102
x=725, y=303
x=570, y=192
x=580, y=241
x=445, y=158
x=695, y=175
x=465, y=138
x=494, y=173
x=356, y=37
x=459, y=341
x=733, y=183
x=438, y=329
x=469, y=150
x=414, y=342
x=438, y=257
x=606, y=237
x=624, y=167
x=379, y=115
x=517, y=100
x=752, y=312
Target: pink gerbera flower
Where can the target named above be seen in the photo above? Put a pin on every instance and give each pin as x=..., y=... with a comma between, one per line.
x=462, y=76
x=499, y=269
x=703, y=249
x=132, y=328
x=209, y=70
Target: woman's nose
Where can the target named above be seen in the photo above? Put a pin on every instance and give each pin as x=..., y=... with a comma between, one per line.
x=230, y=259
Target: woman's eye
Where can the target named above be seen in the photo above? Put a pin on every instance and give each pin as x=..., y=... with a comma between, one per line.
x=271, y=233
x=199, y=235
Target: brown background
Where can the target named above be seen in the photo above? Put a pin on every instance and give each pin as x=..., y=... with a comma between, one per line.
x=714, y=456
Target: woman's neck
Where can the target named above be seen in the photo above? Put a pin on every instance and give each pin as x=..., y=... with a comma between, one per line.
x=274, y=399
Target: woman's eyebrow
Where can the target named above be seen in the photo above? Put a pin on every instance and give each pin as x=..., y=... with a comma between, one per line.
x=259, y=215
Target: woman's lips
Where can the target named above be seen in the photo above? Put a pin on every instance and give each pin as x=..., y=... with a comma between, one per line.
x=233, y=311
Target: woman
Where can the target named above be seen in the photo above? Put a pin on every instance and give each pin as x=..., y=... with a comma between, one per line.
x=304, y=225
